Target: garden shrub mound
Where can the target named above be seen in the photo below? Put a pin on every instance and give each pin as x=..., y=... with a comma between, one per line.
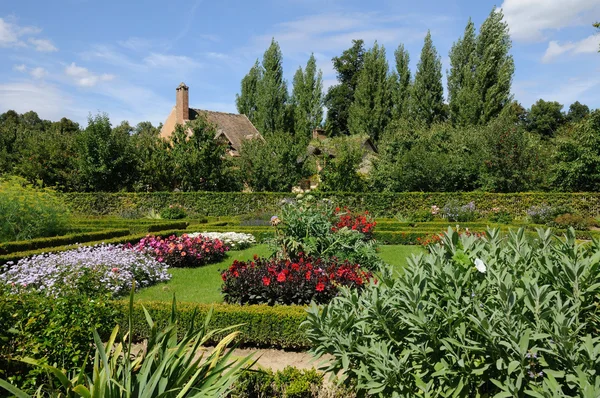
x=183, y=251
x=493, y=316
x=300, y=281
x=28, y=213
x=91, y=271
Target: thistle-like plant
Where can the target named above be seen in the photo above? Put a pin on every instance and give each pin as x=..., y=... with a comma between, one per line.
x=167, y=367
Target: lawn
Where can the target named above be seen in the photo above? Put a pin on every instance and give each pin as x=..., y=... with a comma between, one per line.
x=203, y=285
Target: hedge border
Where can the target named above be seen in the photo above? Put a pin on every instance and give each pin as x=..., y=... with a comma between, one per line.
x=260, y=325
x=380, y=204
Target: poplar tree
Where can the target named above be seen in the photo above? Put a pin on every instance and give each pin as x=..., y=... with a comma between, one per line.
x=339, y=98
x=462, y=97
x=247, y=100
x=307, y=98
x=370, y=112
x=272, y=92
x=495, y=67
x=402, y=83
x=427, y=94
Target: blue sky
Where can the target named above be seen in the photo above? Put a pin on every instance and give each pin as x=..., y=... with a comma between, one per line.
x=72, y=57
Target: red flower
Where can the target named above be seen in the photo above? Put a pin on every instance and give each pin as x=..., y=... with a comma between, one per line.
x=266, y=281
x=320, y=287
x=281, y=277
x=308, y=273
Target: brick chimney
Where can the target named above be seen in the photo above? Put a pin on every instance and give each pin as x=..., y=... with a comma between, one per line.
x=182, y=107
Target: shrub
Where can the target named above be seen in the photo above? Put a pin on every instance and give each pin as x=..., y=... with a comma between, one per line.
x=183, y=251
x=500, y=216
x=287, y=383
x=173, y=212
x=276, y=281
x=58, y=330
x=27, y=213
x=90, y=271
x=421, y=216
x=571, y=221
x=544, y=214
x=453, y=211
x=233, y=240
x=474, y=317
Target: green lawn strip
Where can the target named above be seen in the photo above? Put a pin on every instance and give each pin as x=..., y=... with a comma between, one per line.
x=203, y=284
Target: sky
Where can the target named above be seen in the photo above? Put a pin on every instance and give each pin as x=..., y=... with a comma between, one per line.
x=73, y=58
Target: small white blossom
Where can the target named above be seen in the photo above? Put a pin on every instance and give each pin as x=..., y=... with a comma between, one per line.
x=235, y=240
x=480, y=265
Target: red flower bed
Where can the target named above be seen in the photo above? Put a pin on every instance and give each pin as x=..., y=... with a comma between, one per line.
x=363, y=223
x=183, y=251
x=275, y=281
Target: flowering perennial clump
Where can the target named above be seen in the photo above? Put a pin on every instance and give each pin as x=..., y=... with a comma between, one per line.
x=363, y=223
x=91, y=270
x=184, y=250
x=298, y=281
x=233, y=240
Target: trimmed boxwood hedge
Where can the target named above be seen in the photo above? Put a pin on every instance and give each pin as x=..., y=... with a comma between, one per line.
x=260, y=325
x=380, y=204
x=40, y=243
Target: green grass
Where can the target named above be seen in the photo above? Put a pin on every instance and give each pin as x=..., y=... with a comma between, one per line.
x=203, y=284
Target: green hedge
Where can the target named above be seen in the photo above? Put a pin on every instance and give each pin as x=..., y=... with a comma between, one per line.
x=40, y=243
x=261, y=325
x=16, y=256
x=379, y=204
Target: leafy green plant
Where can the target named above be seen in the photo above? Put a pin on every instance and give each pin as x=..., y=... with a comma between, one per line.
x=167, y=367
x=501, y=217
x=494, y=316
x=27, y=213
x=574, y=221
x=173, y=212
x=287, y=383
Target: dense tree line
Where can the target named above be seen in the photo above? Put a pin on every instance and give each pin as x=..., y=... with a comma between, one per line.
x=479, y=138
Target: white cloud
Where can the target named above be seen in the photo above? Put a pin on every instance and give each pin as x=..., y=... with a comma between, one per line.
x=11, y=33
x=38, y=73
x=529, y=19
x=167, y=61
x=20, y=68
x=587, y=45
x=84, y=78
x=43, y=45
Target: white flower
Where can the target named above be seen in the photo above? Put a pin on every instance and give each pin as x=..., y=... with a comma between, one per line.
x=480, y=265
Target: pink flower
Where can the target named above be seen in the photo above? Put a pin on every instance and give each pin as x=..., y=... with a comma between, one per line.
x=115, y=269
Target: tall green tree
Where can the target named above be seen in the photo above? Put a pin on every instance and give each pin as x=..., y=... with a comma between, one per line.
x=106, y=160
x=247, y=100
x=545, y=118
x=371, y=110
x=339, y=97
x=402, y=83
x=272, y=92
x=307, y=98
x=427, y=95
x=462, y=97
x=495, y=67
x=577, y=112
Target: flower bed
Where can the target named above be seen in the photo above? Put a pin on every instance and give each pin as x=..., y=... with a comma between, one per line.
x=233, y=240
x=90, y=270
x=276, y=281
x=183, y=251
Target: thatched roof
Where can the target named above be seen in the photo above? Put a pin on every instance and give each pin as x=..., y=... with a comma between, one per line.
x=234, y=127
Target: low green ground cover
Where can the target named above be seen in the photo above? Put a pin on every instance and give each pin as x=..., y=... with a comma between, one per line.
x=203, y=284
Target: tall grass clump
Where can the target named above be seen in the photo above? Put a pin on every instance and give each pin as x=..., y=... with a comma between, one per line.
x=27, y=213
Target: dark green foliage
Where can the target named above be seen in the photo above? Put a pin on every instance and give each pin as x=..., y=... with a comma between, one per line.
x=500, y=217
x=173, y=212
x=55, y=330
x=462, y=98
x=287, y=383
x=371, y=110
x=545, y=118
x=402, y=82
x=577, y=112
x=577, y=161
x=339, y=98
x=274, y=164
x=307, y=99
x=272, y=92
x=154, y=162
x=341, y=172
x=260, y=325
x=106, y=159
x=247, y=101
x=427, y=95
